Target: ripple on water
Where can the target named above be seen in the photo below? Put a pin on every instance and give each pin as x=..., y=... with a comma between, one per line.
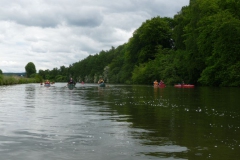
x=123, y=123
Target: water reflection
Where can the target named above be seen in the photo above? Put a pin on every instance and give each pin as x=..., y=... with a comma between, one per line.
x=30, y=96
x=182, y=116
x=118, y=122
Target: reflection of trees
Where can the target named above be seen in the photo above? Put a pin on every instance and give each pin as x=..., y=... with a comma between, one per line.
x=183, y=117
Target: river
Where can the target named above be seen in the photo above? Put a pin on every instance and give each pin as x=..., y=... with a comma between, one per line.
x=119, y=122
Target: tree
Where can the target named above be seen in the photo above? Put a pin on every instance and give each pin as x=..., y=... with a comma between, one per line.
x=147, y=38
x=223, y=64
x=181, y=19
x=1, y=72
x=30, y=69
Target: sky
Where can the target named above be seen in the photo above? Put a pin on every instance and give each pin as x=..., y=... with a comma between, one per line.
x=54, y=33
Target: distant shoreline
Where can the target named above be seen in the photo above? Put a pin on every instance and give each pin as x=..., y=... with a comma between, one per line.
x=15, y=74
x=13, y=79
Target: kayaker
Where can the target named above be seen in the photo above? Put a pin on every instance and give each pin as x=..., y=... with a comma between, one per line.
x=47, y=82
x=71, y=81
x=100, y=81
x=182, y=84
x=155, y=83
x=161, y=82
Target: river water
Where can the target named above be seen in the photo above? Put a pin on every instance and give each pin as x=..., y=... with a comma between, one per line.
x=119, y=122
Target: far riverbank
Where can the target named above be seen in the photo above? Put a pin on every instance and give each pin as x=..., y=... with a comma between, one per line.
x=10, y=80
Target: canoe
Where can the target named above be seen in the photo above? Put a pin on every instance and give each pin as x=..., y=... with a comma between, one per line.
x=184, y=86
x=47, y=85
x=162, y=85
x=102, y=85
x=71, y=85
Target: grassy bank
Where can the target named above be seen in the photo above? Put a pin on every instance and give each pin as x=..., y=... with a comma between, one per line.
x=10, y=80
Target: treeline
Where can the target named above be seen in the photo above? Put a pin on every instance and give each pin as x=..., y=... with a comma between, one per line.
x=200, y=45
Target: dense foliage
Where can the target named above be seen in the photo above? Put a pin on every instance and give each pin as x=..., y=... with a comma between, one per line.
x=200, y=45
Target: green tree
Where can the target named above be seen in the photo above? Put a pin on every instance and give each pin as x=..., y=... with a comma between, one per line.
x=116, y=65
x=42, y=73
x=30, y=69
x=147, y=38
x=1, y=72
x=181, y=19
x=223, y=62
x=143, y=46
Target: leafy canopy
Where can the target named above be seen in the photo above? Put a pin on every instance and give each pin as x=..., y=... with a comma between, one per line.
x=30, y=69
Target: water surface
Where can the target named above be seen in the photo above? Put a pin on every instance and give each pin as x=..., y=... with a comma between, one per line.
x=118, y=122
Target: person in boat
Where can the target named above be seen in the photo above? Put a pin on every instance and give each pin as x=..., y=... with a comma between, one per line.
x=47, y=82
x=161, y=82
x=100, y=81
x=155, y=83
x=71, y=81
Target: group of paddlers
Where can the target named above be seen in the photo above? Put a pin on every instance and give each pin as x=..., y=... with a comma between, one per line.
x=155, y=83
x=71, y=81
x=47, y=82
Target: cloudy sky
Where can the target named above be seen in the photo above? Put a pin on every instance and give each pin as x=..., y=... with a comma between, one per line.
x=53, y=33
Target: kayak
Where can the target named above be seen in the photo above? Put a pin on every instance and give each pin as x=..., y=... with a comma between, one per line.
x=71, y=85
x=47, y=85
x=102, y=85
x=184, y=86
x=162, y=85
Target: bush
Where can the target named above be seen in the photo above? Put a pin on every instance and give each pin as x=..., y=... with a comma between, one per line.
x=10, y=80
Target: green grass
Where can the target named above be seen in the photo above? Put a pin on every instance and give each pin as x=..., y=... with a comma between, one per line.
x=10, y=80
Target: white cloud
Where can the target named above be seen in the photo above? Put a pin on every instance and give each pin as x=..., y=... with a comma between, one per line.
x=53, y=33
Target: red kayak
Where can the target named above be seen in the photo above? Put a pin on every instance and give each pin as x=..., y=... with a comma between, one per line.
x=184, y=86
x=162, y=85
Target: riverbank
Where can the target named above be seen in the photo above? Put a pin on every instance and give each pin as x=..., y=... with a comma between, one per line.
x=10, y=80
